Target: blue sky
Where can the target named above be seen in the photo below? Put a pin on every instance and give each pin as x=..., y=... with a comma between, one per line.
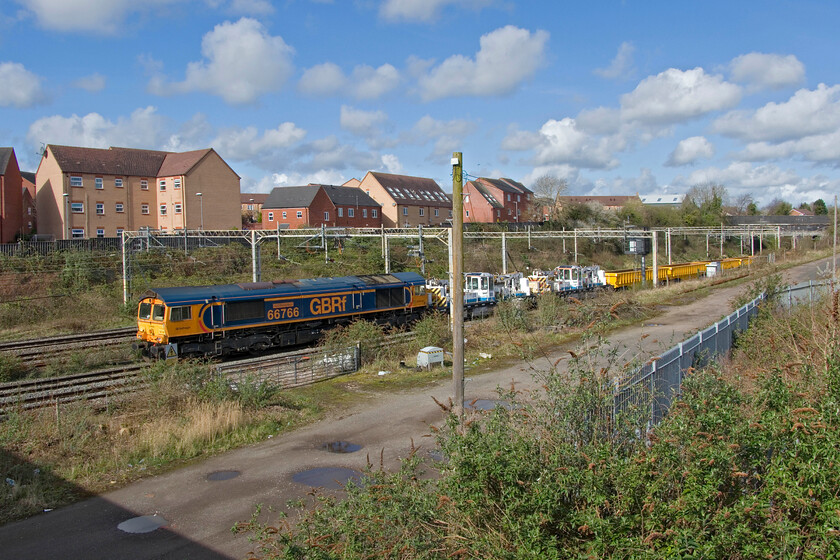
x=615, y=97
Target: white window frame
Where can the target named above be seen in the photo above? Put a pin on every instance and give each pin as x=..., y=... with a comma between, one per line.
x=100, y=208
x=162, y=185
x=364, y=212
x=326, y=216
x=351, y=212
x=119, y=207
x=76, y=181
x=300, y=213
x=272, y=213
x=99, y=183
x=374, y=213
x=119, y=232
x=437, y=212
x=271, y=216
x=77, y=233
x=509, y=197
x=405, y=210
x=177, y=207
x=518, y=199
x=176, y=183
x=77, y=207
x=100, y=232
x=144, y=209
x=144, y=184
x=118, y=182
x=163, y=209
x=422, y=212
x=340, y=211
x=468, y=213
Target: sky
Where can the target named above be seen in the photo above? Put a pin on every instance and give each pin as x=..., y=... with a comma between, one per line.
x=615, y=97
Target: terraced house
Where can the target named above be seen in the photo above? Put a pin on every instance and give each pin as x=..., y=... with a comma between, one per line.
x=91, y=192
x=496, y=200
x=406, y=201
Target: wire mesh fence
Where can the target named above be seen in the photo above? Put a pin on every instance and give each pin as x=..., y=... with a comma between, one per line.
x=658, y=382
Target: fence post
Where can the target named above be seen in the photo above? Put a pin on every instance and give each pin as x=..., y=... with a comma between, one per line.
x=358, y=355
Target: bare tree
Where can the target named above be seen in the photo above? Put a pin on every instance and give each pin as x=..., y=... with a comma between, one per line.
x=546, y=190
x=742, y=203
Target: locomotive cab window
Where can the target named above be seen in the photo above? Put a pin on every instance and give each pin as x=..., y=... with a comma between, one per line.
x=419, y=290
x=157, y=312
x=182, y=313
x=145, y=310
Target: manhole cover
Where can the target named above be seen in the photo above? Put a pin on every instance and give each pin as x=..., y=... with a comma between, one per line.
x=486, y=404
x=142, y=524
x=334, y=478
x=341, y=447
x=222, y=475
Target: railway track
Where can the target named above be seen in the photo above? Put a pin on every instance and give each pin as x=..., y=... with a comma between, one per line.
x=34, y=352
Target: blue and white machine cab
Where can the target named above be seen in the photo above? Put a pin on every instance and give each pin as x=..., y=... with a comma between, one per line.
x=479, y=288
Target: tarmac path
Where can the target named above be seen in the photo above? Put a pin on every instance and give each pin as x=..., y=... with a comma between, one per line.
x=200, y=513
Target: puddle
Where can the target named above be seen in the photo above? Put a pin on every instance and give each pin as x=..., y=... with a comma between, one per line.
x=334, y=478
x=486, y=404
x=143, y=524
x=341, y=447
x=222, y=475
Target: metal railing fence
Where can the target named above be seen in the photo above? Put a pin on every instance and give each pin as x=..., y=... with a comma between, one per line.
x=658, y=382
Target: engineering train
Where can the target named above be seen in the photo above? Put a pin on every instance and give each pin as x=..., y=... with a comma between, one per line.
x=220, y=320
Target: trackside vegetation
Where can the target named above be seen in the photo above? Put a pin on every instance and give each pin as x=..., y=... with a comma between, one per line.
x=746, y=465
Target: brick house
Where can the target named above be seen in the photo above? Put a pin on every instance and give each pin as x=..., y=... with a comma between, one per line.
x=316, y=205
x=496, y=200
x=11, y=196
x=407, y=201
x=91, y=192
x=251, y=209
x=29, y=222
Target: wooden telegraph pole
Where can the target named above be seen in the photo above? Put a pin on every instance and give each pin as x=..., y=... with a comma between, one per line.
x=456, y=282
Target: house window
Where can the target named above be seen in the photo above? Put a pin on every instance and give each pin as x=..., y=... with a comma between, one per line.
x=118, y=183
x=422, y=211
x=326, y=215
x=508, y=197
x=100, y=232
x=518, y=199
x=144, y=184
x=119, y=207
x=341, y=212
x=437, y=212
x=77, y=207
x=177, y=208
x=373, y=213
x=468, y=213
x=498, y=213
x=144, y=208
x=271, y=216
x=300, y=213
x=351, y=212
x=100, y=184
x=163, y=209
x=509, y=215
x=364, y=212
x=77, y=233
x=450, y=213
x=162, y=184
x=100, y=208
x=284, y=215
x=250, y=207
x=177, y=183
x=77, y=182
x=405, y=210
x=119, y=232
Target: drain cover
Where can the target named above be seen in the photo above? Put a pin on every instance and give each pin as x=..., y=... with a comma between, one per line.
x=143, y=524
x=341, y=447
x=222, y=475
x=334, y=478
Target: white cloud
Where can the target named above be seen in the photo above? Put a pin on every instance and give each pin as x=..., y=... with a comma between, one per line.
x=143, y=129
x=423, y=10
x=690, y=150
x=362, y=123
x=366, y=82
x=807, y=113
x=20, y=87
x=767, y=70
x=372, y=83
x=266, y=150
x=93, y=83
x=676, y=95
x=241, y=63
x=820, y=148
x=602, y=120
x=391, y=164
x=507, y=57
x=323, y=79
x=621, y=66
x=520, y=140
x=98, y=16
x=563, y=143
